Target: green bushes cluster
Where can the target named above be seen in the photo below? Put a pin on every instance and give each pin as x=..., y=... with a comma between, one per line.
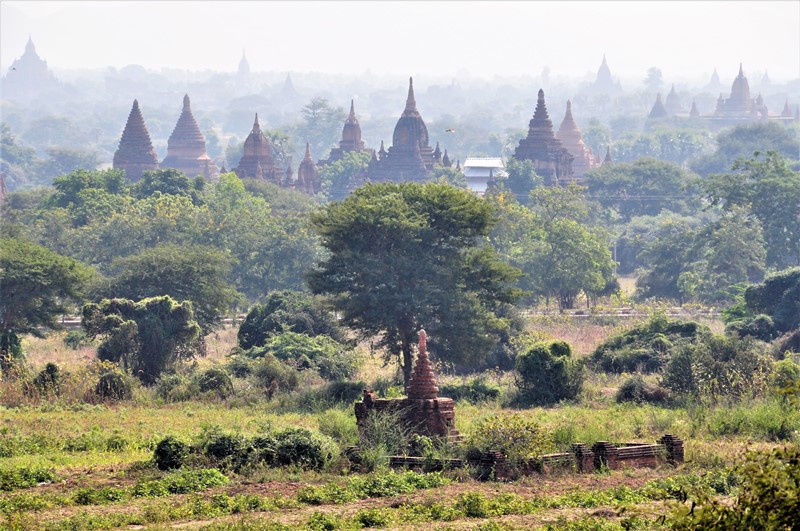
x=636, y=389
x=546, y=373
x=290, y=447
x=517, y=437
x=769, y=309
x=647, y=347
x=474, y=390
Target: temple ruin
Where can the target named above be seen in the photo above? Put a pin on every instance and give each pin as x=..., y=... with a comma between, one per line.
x=135, y=154
x=186, y=147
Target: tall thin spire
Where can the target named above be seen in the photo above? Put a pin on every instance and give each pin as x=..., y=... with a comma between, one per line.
x=256, y=127
x=608, y=155
x=411, y=103
x=352, y=116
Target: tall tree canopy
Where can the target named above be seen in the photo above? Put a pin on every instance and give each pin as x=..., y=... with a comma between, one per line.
x=402, y=256
x=35, y=285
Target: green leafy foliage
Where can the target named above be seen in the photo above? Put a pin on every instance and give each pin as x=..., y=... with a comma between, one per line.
x=112, y=385
x=635, y=389
x=516, y=436
x=406, y=255
x=148, y=336
x=215, y=380
x=546, y=373
x=170, y=453
x=647, y=347
x=181, y=482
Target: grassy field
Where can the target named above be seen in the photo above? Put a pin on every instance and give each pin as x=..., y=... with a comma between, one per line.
x=69, y=464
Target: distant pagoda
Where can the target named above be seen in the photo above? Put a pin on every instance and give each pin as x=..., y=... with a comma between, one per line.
x=29, y=77
x=673, y=103
x=571, y=138
x=308, y=174
x=410, y=157
x=550, y=158
x=351, y=139
x=739, y=107
x=186, y=147
x=257, y=161
x=135, y=153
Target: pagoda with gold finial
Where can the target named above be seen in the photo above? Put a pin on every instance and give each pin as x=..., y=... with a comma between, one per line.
x=135, y=154
x=571, y=138
x=424, y=412
x=257, y=161
x=410, y=157
x=550, y=158
x=186, y=147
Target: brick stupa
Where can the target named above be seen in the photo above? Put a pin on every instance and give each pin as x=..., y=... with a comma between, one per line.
x=571, y=138
x=423, y=410
x=135, y=153
x=351, y=139
x=551, y=160
x=186, y=147
x=257, y=161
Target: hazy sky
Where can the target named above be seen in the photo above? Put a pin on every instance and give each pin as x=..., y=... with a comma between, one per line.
x=685, y=39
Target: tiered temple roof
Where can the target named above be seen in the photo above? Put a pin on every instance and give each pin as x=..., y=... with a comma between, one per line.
x=422, y=385
x=658, y=111
x=410, y=157
x=739, y=107
x=571, y=138
x=257, y=161
x=551, y=160
x=186, y=147
x=673, y=103
x=351, y=138
x=308, y=174
x=135, y=153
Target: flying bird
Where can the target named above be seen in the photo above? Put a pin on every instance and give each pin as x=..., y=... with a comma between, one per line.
x=449, y=130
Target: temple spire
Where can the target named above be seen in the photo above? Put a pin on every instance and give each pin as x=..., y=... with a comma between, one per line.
x=256, y=127
x=352, y=116
x=608, y=155
x=411, y=103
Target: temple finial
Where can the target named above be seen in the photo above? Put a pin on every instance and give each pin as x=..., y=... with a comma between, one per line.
x=352, y=111
x=411, y=103
x=186, y=103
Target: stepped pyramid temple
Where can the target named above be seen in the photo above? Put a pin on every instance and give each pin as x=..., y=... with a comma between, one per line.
x=186, y=147
x=257, y=161
x=551, y=159
x=423, y=411
x=351, y=139
x=135, y=154
x=410, y=158
x=571, y=138
x=307, y=174
x=28, y=76
x=739, y=107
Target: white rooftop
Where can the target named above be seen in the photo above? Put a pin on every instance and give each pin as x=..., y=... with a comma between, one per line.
x=484, y=162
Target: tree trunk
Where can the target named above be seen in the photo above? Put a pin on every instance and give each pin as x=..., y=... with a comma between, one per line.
x=407, y=361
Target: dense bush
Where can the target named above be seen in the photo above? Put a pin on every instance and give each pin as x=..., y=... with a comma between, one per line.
x=719, y=366
x=173, y=388
x=170, y=453
x=546, y=373
x=274, y=376
x=515, y=436
x=301, y=447
x=635, y=389
x=287, y=311
x=646, y=347
x=49, y=379
x=215, y=380
x=331, y=359
x=76, y=339
x=769, y=497
x=475, y=390
x=113, y=385
x=778, y=297
x=785, y=377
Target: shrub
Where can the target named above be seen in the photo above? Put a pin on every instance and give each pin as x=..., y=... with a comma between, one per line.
x=546, y=373
x=287, y=311
x=474, y=391
x=785, y=377
x=635, y=389
x=221, y=446
x=647, y=347
x=515, y=436
x=215, y=380
x=779, y=298
x=760, y=327
x=170, y=453
x=301, y=447
x=274, y=376
x=240, y=366
x=24, y=477
x=49, y=379
x=339, y=426
x=76, y=339
x=331, y=359
x=113, y=386
x=719, y=366
x=173, y=388
x=181, y=482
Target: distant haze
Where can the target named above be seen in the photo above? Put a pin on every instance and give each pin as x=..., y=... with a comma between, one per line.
x=686, y=40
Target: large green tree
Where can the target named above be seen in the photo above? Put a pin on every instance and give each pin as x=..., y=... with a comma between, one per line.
x=36, y=285
x=768, y=186
x=402, y=256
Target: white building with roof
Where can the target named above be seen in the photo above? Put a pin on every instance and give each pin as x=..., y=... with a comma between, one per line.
x=479, y=170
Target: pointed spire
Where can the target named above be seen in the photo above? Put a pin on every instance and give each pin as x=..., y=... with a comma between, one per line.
x=352, y=116
x=437, y=153
x=186, y=146
x=787, y=111
x=608, y=160
x=658, y=110
x=308, y=152
x=446, y=159
x=382, y=150
x=411, y=103
x=223, y=169
x=135, y=154
x=256, y=127
x=186, y=103
x=694, y=113
x=458, y=164
x=741, y=72
x=422, y=384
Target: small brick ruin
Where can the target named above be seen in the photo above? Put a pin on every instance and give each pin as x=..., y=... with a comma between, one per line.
x=423, y=410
